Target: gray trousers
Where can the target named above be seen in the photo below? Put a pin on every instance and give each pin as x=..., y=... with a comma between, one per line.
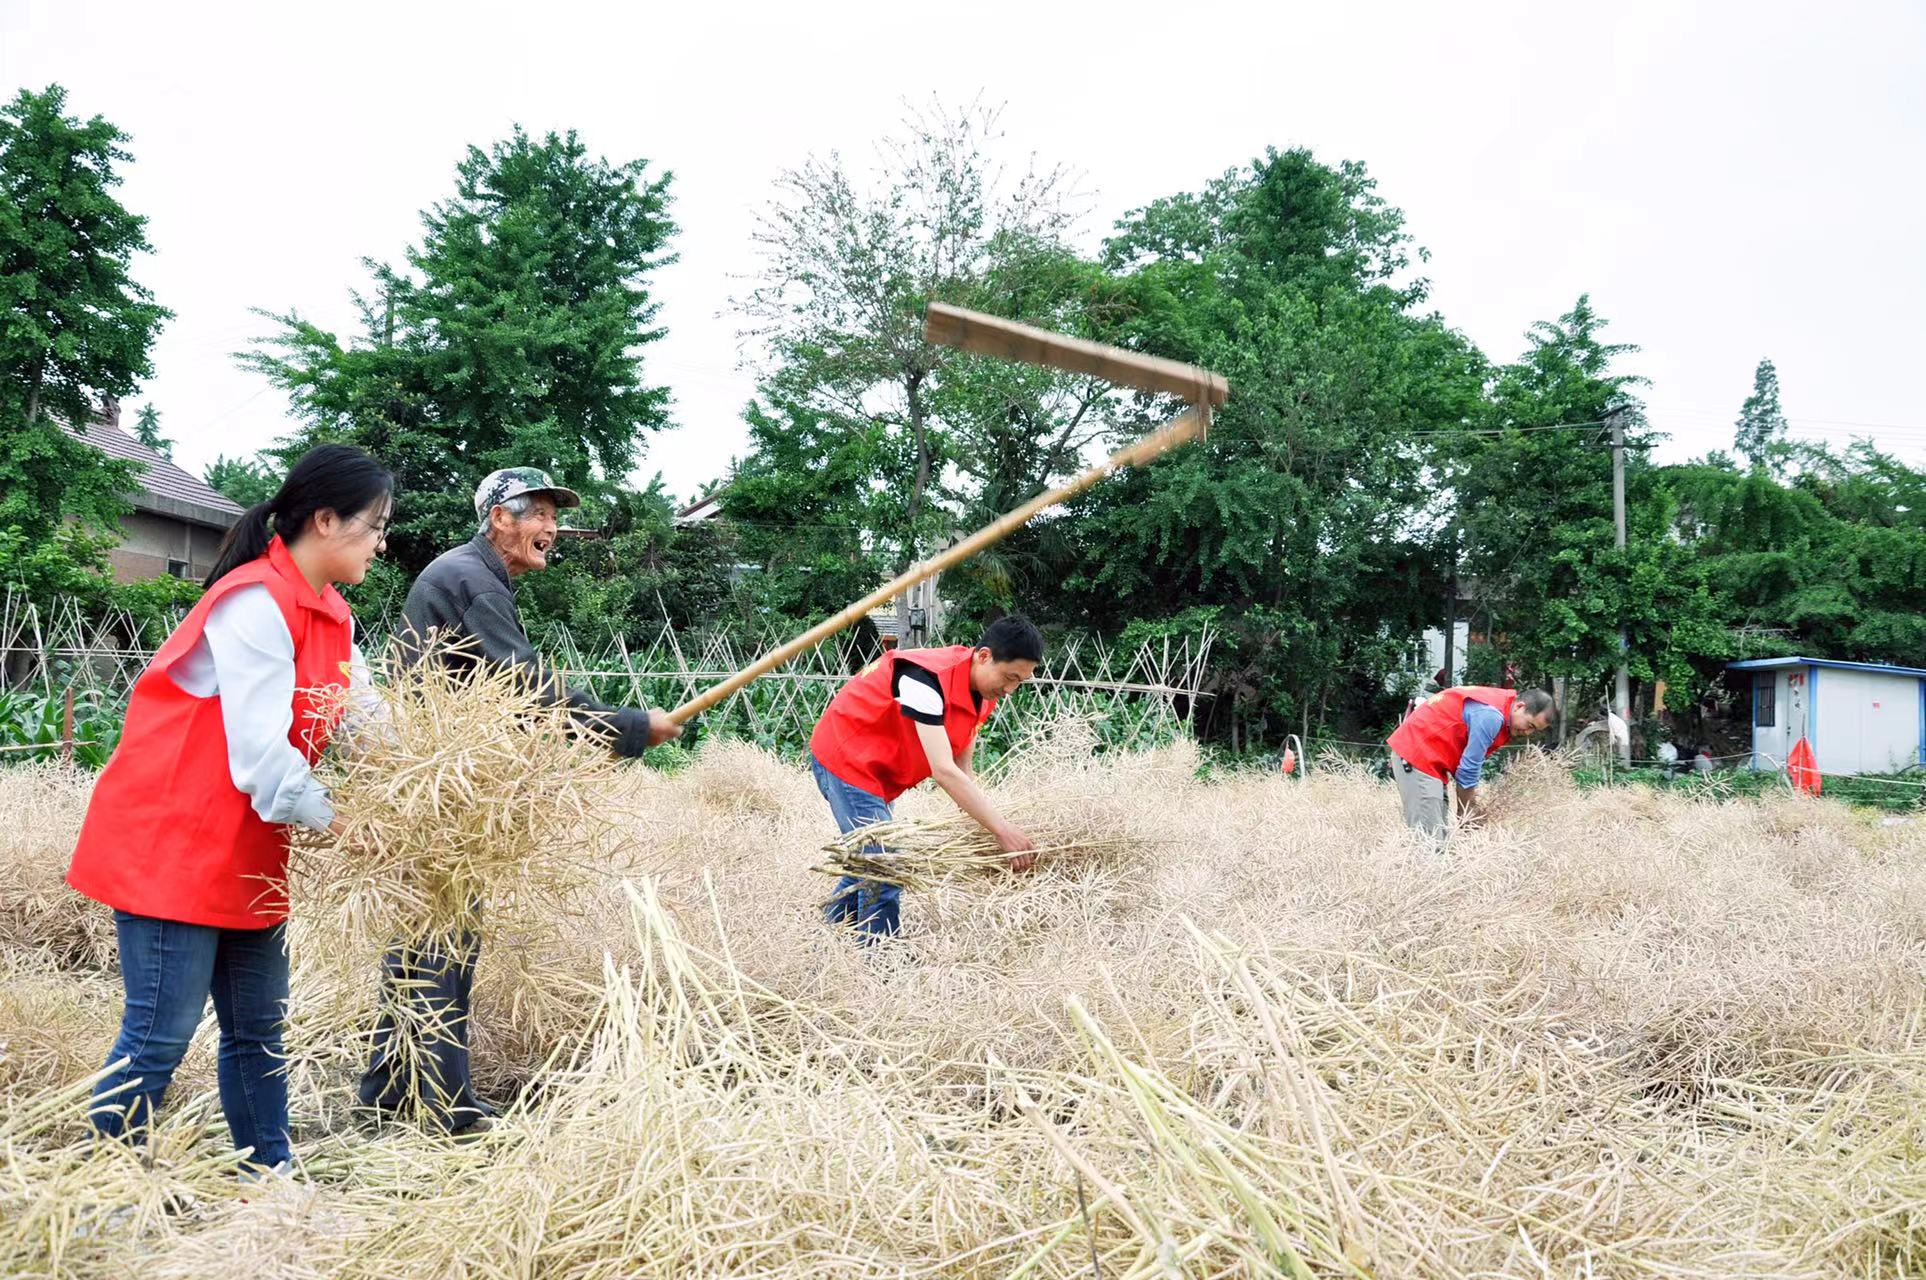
x=420, y=1064
x=1423, y=796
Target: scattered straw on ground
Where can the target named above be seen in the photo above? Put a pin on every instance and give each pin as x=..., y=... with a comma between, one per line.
x=1618, y=1034
x=41, y=806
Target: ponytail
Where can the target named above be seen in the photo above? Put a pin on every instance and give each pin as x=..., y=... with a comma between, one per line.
x=329, y=477
x=247, y=540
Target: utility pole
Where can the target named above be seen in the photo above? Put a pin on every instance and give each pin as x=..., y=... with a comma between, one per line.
x=1451, y=613
x=1622, y=692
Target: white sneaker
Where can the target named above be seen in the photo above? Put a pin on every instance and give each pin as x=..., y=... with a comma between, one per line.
x=283, y=1172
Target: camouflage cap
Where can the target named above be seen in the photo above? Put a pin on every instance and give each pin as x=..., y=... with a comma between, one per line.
x=512, y=482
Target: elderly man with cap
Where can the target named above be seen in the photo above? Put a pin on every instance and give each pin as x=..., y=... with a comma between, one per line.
x=467, y=597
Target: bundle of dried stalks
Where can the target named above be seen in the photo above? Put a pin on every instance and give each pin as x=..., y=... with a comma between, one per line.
x=462, y=794
x=1081, y=812
x=472, y=810
x=918, y=853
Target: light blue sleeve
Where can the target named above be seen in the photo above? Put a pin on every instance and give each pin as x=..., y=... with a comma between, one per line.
x=1485, y=723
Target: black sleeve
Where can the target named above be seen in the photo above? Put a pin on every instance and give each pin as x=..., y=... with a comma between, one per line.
x=910, y=671
x=497, y=629
x=628, y=731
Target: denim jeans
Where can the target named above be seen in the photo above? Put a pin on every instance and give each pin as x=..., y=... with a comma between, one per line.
x=168, y=970
x=420, y=1066
x=872, y=907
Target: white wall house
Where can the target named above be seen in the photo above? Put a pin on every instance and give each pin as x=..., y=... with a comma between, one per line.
x=1859, y=717
x=1433, y=658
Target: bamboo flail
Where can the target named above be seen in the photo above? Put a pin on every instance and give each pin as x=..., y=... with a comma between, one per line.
x=1184, y=428
x=995, y=336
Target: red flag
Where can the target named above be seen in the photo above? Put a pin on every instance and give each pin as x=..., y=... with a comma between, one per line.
x=1803, y=768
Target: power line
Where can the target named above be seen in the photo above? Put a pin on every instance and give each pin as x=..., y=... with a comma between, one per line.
x=225, y=414
x=1505, y=431
x=1888, y=441
x=1795, y=421
x=780, y=524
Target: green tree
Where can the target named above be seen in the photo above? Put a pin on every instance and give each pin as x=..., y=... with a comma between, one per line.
x=75, y=328
x=147, y=431
x=1298, y=527
x=78, y=327
x=803, y=505
x=922, y=439
x=1830, y=562
x=1759, y=434
x=646, y=570
x=245, y=480
x=1532, y=494
x=514, y=336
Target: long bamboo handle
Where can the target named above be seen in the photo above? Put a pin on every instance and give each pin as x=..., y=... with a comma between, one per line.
x=1180, y=430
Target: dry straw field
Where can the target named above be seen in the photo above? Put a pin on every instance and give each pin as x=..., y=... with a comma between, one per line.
x=1234, y=1027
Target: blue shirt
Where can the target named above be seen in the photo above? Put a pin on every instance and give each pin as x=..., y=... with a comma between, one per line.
x=1485, y=724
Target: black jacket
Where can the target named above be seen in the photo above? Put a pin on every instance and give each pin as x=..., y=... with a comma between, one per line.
x=467, y=598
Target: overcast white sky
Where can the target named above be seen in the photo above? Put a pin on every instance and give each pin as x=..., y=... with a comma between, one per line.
x=1728, y=181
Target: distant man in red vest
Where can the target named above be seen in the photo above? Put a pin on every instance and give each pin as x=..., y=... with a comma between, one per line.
x=1449, y=738
x=914, y=714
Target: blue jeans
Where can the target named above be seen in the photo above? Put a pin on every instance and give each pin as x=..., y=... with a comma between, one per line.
x=872, y=907
x=168, y=970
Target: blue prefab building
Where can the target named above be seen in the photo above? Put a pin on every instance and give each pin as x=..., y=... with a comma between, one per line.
x=1860, y=717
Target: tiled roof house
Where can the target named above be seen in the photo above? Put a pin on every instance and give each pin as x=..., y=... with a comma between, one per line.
x=178, y=520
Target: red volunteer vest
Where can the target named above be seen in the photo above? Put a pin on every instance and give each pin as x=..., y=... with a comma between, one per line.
x=865, y=739
x=167, y=833
x=1433, y=737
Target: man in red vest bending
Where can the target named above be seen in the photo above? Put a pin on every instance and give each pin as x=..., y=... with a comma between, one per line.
x=1449, y=738
x=913, y=714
